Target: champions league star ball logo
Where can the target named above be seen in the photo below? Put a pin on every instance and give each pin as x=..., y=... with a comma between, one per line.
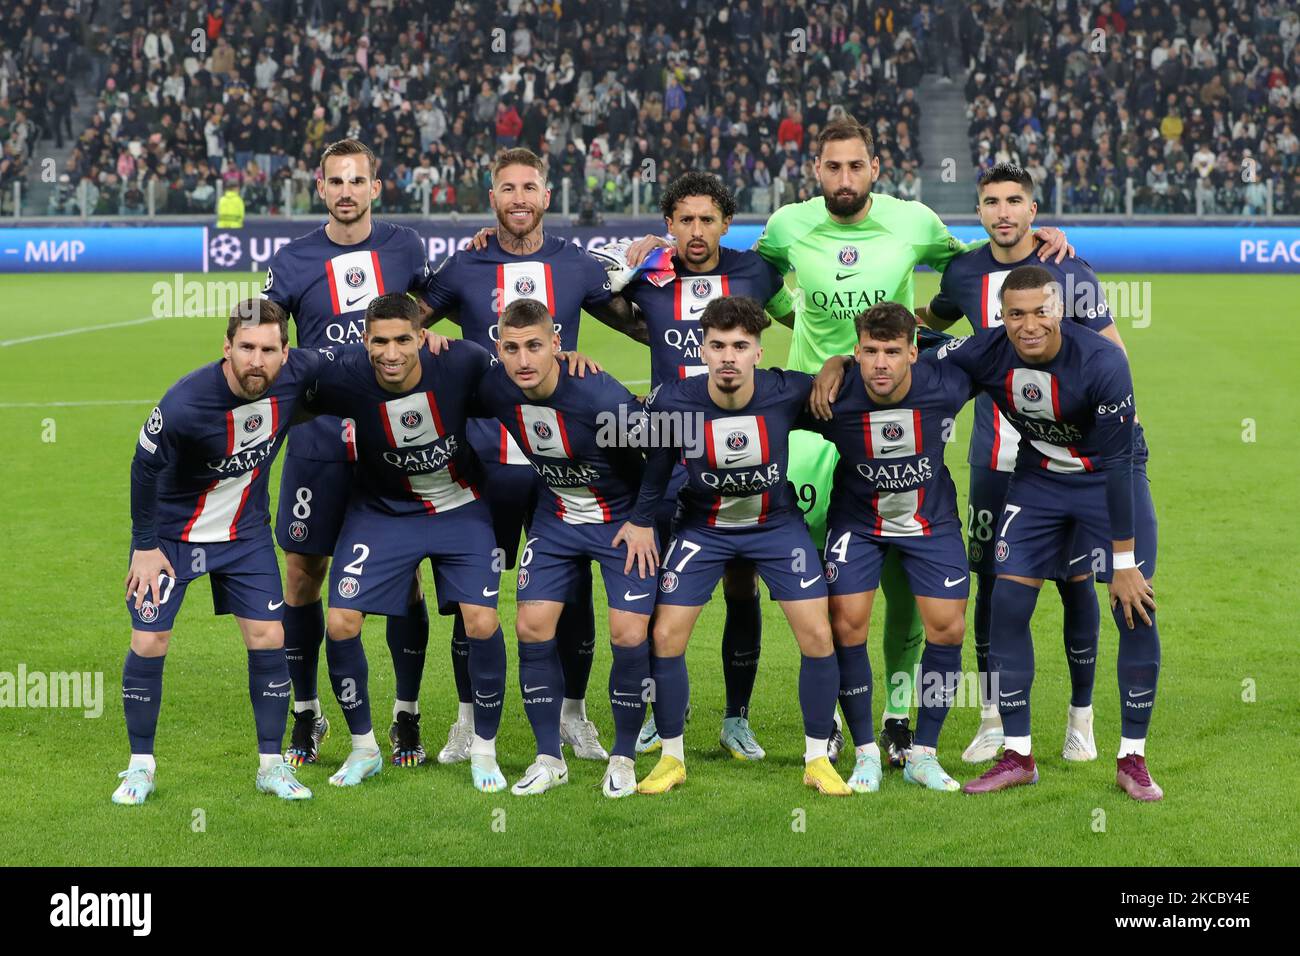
x=832, y=572
x=668, y=582
x=701, y=288
x=348, y=587
x=891, y=431
x=225, y=250
x=525, y=285
x=1031, y=392
x=355, y=277
x=736, y=441
x=252, y=423
x=298, y=530
x=849, y=256
x=412, y=419
x=542, y=430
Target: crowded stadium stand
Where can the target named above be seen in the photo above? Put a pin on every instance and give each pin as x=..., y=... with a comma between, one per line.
x=137, y=109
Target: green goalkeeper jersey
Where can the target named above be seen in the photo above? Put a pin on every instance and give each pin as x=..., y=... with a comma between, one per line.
x=843, y=269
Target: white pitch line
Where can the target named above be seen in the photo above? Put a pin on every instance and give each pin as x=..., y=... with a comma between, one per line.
x=636, y=381
x=126, y=401
x=89, y=328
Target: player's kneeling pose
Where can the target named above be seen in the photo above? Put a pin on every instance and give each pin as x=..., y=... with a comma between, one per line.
x=732, y=425
x=199, y=506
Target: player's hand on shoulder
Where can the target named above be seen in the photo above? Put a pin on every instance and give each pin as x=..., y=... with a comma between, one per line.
x=641, y=548
x=1134, y=593
x=826, y=386
x=480, y=240
x=144, y=575
x=435, y=343
x=638, y=250
x=1052, y=244
x=579, y=364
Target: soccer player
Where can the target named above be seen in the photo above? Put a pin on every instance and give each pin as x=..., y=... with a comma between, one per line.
x=850, y=249
x=325, y=280
x=892, y=491
x=697, y=209
x=473, y=287
x=970, y=286
x=1080, y=483
x=733, y=425
x=199, y=505
x=417, y=494
x=569, y=427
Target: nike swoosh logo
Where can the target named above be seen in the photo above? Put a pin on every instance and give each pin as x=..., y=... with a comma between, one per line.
x=889, y=449
x=841, y=276
x=533, y=690
x=482, y=696
x=743, y=653
x=248, y=441
x=619, y=693
x=810, y=582
x=281, y=684
x=352, y=302
x=410, y=438
x=487, y=593
x=949, y=583
x=629, y=596
x=1014, y=693
x=135, y=688
x=1079, y=650
x=697, y=308
x=730, y=459
x=1143, y=694
x=541, y=448
x=272, y=607
x=1078, y=559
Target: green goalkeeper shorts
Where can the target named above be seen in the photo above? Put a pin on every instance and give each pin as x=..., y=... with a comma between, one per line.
x=811, y=470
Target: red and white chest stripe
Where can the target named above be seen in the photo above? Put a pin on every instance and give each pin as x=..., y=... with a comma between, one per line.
x=216, y=515
x=738, y=442
x=413, y=422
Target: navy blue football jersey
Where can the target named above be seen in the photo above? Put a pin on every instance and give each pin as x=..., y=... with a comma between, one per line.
x=412, y=454
x=479, y=285
x=203, y=459
x=325, y=287
x=891, y=478
x=672, y=312
x=1076, y=412
x=737, y=469
x=576, y=441
x=970, y=287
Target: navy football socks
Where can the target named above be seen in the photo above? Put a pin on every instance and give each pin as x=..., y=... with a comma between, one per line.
x=627, y=683
x=819, y=685
x=855, y=692
x=541, y=680
x=304, y=629
x=672, y=691
x=1082, y=628
x=1139, y=671
x=268, y=689
x=487, y=671
x=408, y=638
x=1011, y=653
x=350, y=678
x=742, y=638
x=142, y=699
x=940, y=673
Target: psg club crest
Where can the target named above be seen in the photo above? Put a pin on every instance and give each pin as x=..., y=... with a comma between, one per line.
x=832, y=572
x=148, y=612
x=355, y=277
x=891, y=431
x=849, y=256
x=525, y=286
x=523, y=579
x=298, y=530
x=1031, y=392
x=252, y=423
x=976, y=551
x=412, y=419
x=348, y=587
x=701, y=288
x=1002, y=551
x=668, y=582
x=736, y=441
x=542, y=430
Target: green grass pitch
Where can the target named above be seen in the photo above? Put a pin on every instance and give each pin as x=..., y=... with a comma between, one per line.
x=1212, y=366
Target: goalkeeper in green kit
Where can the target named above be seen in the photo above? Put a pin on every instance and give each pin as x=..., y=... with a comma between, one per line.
x=848, y=251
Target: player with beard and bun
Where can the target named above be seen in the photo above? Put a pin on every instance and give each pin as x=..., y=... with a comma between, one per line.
x=325, y=280
x=970, y=286
x=850, y=250
x=473, y=287
x=697, y=209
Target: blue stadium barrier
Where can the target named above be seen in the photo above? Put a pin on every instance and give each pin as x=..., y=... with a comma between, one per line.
x=121, y=247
